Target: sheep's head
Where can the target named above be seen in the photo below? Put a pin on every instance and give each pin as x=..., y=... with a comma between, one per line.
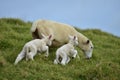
x=87, y=48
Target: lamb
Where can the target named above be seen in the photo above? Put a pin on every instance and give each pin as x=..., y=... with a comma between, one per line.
x=61, y=32
x=66, y=51
x=30, y=48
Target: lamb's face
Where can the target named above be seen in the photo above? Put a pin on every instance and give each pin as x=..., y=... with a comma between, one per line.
x=87, y=49
x=73, y=40
x=49, y=40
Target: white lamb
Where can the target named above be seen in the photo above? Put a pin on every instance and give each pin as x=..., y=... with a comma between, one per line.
x=66, y=51
x=30, y=48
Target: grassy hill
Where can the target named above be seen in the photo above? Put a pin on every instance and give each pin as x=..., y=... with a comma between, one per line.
x=104, y=65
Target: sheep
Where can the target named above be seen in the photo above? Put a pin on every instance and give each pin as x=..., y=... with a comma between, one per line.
x=66, y=51
x=30, y=48
x=61, y=32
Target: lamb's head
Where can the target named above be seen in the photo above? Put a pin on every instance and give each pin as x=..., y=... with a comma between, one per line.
x=48, y=39
x=73, y=40
x=87, y=48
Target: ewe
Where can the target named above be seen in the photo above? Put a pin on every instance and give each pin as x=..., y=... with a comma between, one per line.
x=30, y=48
x=66, y=51
x=61, y=32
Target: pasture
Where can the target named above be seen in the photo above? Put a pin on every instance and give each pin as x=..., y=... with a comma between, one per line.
x=104, y=65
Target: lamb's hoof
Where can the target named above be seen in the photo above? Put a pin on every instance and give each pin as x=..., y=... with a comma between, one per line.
x=55, y=62
x=39, y=54
x=46, y=55
x=88, y=58
x=63, y=64
x=15, y=63
x=32, y=59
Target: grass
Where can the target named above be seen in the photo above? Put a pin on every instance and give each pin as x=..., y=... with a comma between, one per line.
x=104, y=65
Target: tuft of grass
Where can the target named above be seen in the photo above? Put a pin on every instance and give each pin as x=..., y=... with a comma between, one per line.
x=104, y=65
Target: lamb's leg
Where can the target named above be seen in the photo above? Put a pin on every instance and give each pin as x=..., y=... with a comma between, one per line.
x=32, y=53
x=27, y=58
x=20, y=57
x=73, y=53
x=31, y=56
x=64, y=59
x=56, y=61
x=76, y=54
x=46, y=48
x=68, y=60
x=39, y=51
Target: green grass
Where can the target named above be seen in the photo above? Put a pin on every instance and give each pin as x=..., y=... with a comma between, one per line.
x=104, y=65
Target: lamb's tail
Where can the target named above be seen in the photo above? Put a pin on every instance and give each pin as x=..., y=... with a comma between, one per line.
x=20, y=57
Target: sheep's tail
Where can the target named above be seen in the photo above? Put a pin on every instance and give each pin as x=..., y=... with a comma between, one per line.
x=34, y=26
x=20, y=57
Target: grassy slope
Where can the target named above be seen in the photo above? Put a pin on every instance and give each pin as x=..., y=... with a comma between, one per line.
x=104, y=65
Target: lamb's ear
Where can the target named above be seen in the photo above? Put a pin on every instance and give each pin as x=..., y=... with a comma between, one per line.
x=50, y=37
x=88, y=41
x=43, y=35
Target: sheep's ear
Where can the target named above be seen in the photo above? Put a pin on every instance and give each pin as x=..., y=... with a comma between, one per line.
x=43, y=35
x=50, y=37
x=88, y=41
